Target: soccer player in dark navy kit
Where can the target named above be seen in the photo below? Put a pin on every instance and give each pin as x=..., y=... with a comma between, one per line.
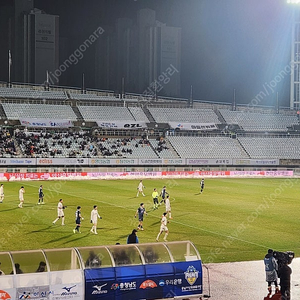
x=41, y=195
x=78, y=219
x=141, y=211
x=201, y=185
x=163, y=195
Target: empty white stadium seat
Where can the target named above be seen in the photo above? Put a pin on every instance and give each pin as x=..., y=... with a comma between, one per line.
x=185, y=115
x=207, y=147
x=254, y=121
x=105, y=113
x=272, y=147
x=15, y=111
x=26, y=93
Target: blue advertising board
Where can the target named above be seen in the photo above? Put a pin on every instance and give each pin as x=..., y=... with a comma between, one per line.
x=152, y=281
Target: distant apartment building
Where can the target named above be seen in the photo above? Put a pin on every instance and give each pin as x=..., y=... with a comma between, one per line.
x=140, y=56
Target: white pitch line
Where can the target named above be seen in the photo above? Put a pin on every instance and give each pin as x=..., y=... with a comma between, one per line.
x=220, y=234
x=183, y=224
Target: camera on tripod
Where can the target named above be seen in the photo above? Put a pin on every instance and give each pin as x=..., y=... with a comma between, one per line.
x=283, y=257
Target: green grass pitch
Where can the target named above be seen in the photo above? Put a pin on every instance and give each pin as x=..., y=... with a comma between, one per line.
x=234, y=219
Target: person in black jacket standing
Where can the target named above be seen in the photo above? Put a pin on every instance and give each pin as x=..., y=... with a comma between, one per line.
x=132, y=238
x=284, y=274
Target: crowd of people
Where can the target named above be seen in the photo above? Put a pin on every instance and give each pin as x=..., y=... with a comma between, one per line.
x=161, y=145
x=120, y=147
x=55, y=144
x=71, y=143
x=7, y=145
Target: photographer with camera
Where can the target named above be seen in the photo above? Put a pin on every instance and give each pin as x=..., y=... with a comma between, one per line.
x=284, y=274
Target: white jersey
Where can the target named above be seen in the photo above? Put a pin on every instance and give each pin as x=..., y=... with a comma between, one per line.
x=94, y=215
x=60, y=210
x=21, y=194
x=168, y=205
x=163, y=226
x=140, y=187
x=1, y=191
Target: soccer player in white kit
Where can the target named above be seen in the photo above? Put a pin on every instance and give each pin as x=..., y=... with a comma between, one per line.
x=1, y=193
x=60, y=213
x=140, y=188
x=94, y=219
x=168, y=207
x=163, y=227
x=21, y=196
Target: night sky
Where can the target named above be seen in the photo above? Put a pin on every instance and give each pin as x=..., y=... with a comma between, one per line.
x=226, y=44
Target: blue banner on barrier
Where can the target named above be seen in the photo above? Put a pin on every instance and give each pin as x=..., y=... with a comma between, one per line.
x=98, y=283
x=189, y=276
x=152, y=281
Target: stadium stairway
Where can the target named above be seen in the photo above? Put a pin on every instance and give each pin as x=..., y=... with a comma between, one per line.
x=148, y=114
x=77, y=113
x=74, y=107
x=2, y=113
x=220, y=117
x=243, y=147
x=172, y=149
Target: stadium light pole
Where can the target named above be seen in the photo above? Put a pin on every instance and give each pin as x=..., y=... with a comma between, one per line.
x=9, y=68
x=234, y=100
x=295, y=62
x=83, y=85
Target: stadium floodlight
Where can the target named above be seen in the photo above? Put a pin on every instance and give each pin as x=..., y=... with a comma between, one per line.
x=293, y=1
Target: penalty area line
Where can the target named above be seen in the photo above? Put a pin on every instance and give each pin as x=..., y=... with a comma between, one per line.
x=220, y=234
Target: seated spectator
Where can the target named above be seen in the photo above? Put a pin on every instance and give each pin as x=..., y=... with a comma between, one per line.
x=93, y=261
x=41, y=267
x=18, y=270
x=1, y=272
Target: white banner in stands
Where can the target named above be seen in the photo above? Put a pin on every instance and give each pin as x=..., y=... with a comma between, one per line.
x=256, y=162
x=209, y=161
x=113, y=161
x=18, y=161
x=150, y=161
x=283, y=173
x=62, y=161
x=174, y=161
x=193, y=126
x=54, y=123
x=122, y=124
